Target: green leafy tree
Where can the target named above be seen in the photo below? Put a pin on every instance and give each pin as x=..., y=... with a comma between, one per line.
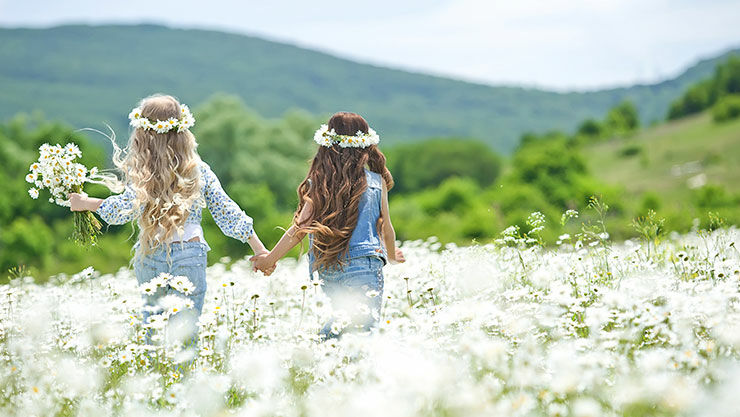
x=727, y=108
x=696, y=99
x=550, y=165
x=455, y=211
x=704, y=94
x=590, y=128
x=727, y=78
x=622, y=119
x=421, y=165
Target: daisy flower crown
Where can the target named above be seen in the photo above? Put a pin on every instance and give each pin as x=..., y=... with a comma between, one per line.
x=326, y=137
x=185, y=121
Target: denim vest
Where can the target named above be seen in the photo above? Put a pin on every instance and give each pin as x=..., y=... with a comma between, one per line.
x=365, y=240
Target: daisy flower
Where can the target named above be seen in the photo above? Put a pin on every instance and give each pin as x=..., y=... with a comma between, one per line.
x=73, y=150
x=140, y=123
x=161, y=126
x=135, y=114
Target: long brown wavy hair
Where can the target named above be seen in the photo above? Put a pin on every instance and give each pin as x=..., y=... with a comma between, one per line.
x=163, y=171
x=334, y=186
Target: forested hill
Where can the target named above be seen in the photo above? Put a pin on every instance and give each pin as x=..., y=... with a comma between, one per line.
x=90, y=75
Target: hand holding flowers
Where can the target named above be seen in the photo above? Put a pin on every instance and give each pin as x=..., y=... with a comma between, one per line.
x=81, y=202
x=57, y=171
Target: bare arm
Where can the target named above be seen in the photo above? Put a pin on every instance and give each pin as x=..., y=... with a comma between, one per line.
x=290, y=239
x=80, y=202
x=388, y=233
x=256, y=244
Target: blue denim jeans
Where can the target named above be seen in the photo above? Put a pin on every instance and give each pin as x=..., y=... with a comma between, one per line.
x=187, y=259
x=356, y=293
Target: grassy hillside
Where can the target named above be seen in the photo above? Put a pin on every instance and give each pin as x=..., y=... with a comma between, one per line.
x=668, y=158
x=91, y=75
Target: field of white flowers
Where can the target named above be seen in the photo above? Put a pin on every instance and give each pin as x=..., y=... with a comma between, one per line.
x=588, y=329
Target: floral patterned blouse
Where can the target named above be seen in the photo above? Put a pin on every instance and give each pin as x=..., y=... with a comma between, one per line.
x=230, y=218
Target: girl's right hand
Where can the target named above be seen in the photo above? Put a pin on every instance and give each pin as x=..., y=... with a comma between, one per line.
x=399, y=258
x=78, y=202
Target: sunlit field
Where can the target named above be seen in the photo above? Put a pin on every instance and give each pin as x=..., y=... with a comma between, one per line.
x=591, y=328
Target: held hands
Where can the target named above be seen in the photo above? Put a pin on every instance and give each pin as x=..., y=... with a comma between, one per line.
x=260, y=262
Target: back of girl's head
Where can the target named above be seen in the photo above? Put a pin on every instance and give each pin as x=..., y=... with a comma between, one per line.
x=163, y=171
x=346, y=123
x=334, y=186
x=350, y=159
x=160, y=107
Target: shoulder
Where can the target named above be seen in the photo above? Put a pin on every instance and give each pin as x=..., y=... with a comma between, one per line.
x=374, y=180
x=206, y=173
x=204, y=167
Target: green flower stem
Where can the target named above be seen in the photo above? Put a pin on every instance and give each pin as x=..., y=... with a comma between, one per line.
x=86, y=226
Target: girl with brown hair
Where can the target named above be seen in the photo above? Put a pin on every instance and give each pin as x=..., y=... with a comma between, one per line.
x=343, y=206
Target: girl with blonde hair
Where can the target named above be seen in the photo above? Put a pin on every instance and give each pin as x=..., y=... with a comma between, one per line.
x=165, y=187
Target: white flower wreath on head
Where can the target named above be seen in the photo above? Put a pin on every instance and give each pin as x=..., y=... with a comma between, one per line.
x=185, y=121
x=326, y=137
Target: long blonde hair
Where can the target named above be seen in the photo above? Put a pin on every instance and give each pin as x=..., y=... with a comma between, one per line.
x=163, y=171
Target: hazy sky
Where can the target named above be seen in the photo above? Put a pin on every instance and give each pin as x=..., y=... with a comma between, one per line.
x=559, y=44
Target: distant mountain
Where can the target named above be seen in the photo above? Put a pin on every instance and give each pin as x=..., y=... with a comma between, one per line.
x=88, y=75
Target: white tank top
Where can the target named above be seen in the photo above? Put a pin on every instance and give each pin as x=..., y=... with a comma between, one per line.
x=189, y=232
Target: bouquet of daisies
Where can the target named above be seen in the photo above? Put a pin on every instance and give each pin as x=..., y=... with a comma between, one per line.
x=57, y=171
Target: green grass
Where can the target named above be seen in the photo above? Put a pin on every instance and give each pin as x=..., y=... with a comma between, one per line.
x=713, y=147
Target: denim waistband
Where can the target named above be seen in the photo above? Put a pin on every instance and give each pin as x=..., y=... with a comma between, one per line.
x=178, y=245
